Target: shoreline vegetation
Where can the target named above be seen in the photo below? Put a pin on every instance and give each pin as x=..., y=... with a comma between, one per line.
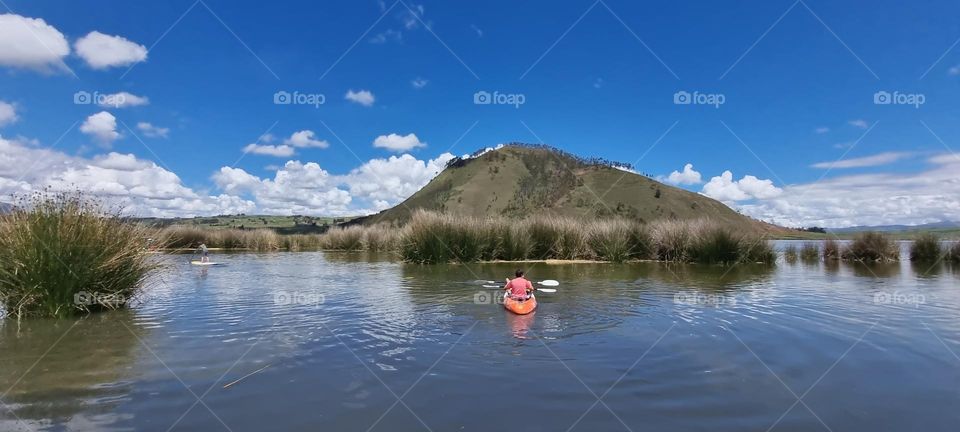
x=63, y=254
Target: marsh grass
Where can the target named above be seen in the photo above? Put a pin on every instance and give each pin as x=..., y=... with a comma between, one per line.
x=926, y=248
x=831, y=250
x=871, y=246
x=953, y=253
x=63, y=254
x=791, y=254
x=810, y=252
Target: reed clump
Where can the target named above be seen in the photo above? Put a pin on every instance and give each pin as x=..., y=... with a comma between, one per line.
x=63, y=254
x=926, y=248
x=831, y=250
x=791, y=254
x=810, y=252
x=438, y=238
x=953, y=253
x=871, y=246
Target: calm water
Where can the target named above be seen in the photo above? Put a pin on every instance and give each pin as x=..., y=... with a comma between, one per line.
x=316, y=341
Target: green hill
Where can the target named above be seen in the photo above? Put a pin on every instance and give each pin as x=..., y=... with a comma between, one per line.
x=520, y=180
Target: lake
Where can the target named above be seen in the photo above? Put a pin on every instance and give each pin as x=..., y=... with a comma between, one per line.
x=358, y=342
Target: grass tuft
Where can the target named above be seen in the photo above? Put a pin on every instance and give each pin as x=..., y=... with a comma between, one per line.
x=871, y=246
x=63, y=254
x=926, y=248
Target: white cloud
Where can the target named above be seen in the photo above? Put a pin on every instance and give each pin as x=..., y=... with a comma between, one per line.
x=281, y=150
x=955, y=70
x=8, y=113
x=152, y=131
x=398, y=143
x=867, y=161
x=859, y=123
x=689, y=176
x=393, y=179
x=419, y=83
x=822, y=130
x=122, y=100
x=724, y=188
x=102, y=51
x=362, y=97
x=31, y=43
x=305, y=139
x=306, y=188
x=141, y=187
x=476, y=30
x=299, y=139
x=869, y=199
x=102, y=126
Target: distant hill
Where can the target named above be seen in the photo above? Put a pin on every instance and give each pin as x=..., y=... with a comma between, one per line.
x=936, y=226
x=521, y=180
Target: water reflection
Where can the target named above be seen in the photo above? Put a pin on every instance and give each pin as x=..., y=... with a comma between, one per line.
x=56, y=370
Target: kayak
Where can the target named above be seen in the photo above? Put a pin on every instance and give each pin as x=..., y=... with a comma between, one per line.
x=520, y=307
x=208, y=263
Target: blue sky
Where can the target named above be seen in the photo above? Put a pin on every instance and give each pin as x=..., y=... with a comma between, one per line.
x=797, y=81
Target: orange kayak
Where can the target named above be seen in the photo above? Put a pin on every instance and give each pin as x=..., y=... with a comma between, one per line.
x=520, y=307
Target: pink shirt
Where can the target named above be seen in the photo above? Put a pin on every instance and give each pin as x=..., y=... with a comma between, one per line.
x=518, y=287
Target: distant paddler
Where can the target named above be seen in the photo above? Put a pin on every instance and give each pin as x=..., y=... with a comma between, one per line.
x=204, y=253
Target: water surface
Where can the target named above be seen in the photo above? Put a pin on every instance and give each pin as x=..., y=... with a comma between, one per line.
x=324, y=341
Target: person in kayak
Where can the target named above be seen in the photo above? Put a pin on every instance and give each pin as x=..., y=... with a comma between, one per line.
x=204, y=252
x=519, y=288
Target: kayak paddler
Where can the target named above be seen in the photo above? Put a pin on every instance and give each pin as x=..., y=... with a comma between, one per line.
x=519, y=288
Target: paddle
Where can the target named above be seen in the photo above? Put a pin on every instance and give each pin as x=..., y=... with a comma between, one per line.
x=548, y=282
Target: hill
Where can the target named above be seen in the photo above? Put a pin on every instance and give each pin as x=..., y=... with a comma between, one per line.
x=518, y=180
x=280, y=224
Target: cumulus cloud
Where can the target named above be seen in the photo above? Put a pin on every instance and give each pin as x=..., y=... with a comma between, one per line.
x=306, y=188
x=859, y=123
x=8, y=113
x=362, y=97
x=398, y=143
x=419, y=83
x=866, y=161
x=152, y=131
x=141, y=187
x=102, y=51
x=305, y=139
x=688, y=176
x=31, y=43
x=102, y=126
x=922, y=197
x=122, y=100
x=724, y=188
x=299, y=139
x=281, y=150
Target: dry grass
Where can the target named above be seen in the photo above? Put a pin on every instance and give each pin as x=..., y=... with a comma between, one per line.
x=871, y=246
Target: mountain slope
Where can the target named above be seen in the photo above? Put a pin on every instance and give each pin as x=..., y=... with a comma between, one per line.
x=517, y=181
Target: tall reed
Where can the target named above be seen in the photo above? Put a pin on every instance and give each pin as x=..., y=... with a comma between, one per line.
x=810, y=252
x=871, y=246
x=926, y=248
x=63, y=254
